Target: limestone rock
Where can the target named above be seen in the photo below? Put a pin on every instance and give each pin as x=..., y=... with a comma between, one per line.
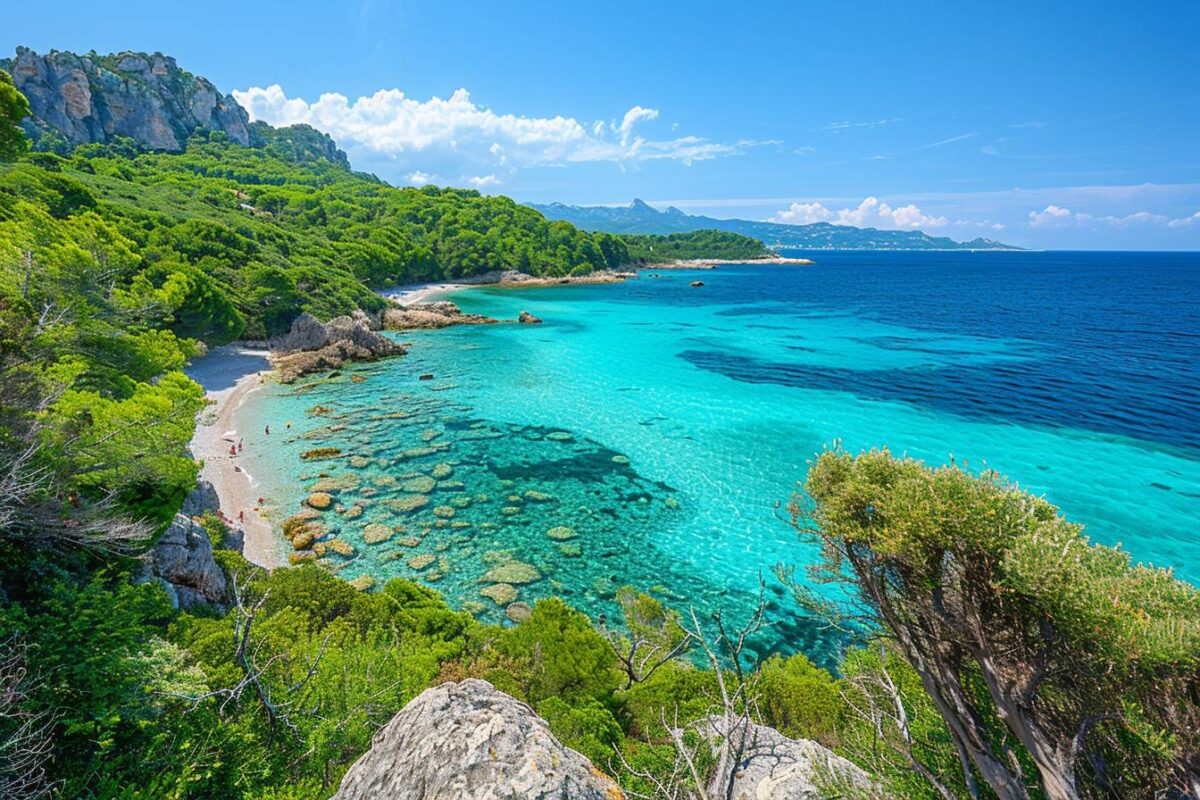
x=500, y=593
x=789, y=769
x=143, y=96
x=440, y=314
x=469, y=741
x=525, y=318
x=183, y=559
x=312, y=346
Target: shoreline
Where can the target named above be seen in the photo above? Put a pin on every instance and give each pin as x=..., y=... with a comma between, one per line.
x=713, y=263
x=216, y=430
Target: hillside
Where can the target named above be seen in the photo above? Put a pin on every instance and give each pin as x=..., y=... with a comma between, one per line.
x=641, y=218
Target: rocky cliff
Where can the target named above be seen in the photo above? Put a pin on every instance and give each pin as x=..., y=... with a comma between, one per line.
x=146, y=97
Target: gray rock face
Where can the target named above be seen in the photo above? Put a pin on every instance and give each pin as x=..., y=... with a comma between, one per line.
x=94, y=98
x=183, y=559
x=779, y=768
x=312, y=346
x=469, y=741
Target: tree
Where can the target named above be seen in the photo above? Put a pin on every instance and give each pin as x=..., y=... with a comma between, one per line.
x=1035, y=645
x=13, y=108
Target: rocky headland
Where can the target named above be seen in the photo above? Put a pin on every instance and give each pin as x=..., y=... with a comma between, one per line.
x=315, y=346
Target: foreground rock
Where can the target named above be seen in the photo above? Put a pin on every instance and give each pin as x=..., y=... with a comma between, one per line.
x=469, y=741
x=780, y=768
x=312, y=346
x=182, y=559
x=426, y=316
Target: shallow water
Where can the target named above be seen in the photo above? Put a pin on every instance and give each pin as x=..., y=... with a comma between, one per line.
x=666, y=426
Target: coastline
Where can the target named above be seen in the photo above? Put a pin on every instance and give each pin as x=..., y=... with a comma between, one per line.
x=713, y=263
x=230, y=375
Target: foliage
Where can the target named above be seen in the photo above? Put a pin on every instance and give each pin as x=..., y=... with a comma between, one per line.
x=560, y=654
x=649, y=248
x=800, y=700
x=13, y=108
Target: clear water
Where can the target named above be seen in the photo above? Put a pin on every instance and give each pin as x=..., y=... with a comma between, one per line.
x=667, y=425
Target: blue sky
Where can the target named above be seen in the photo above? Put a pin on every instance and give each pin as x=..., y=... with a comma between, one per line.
x=1050, y=124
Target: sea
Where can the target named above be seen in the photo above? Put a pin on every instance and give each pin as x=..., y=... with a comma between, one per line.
x=653, y=433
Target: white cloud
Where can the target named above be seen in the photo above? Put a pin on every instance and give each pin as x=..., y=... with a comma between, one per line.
x=631, y=118
x=1054, y=215
x=1050, y=215
x=483, y=181
x=846, y=125
x=803, y=214
x=1183, y=222
x=418, y=178
x=870, y=213
x=455, y=135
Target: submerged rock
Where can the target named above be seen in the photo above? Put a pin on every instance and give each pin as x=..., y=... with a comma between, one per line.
x=375, y=533
x=422, y=561
x=469, y=741
x=319, y=500
x=500, y=593
x=512, y=572
x=561, y=533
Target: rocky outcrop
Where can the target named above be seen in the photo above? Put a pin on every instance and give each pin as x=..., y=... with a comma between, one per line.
x=312, y=346
x=780, y=768
x=469, y=741
x=525, y=318
x=182, y=559
x=146, y=97
x=441, y=314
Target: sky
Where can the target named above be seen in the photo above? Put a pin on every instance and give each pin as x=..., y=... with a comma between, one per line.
x=1048, y=125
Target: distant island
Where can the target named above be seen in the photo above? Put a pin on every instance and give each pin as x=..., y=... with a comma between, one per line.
x=641, y=218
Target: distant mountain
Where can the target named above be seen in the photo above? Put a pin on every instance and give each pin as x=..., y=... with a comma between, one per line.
x=639, y=217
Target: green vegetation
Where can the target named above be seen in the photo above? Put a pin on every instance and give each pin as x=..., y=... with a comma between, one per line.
x=13, y=108
x=650, y=249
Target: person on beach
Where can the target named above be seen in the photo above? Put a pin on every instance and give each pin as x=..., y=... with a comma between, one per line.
x=241, y=517
x=268, y=430
x=232, y=450
x=239, y=445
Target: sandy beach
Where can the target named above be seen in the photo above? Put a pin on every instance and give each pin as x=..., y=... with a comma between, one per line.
x=230, y=375
x=421, y=293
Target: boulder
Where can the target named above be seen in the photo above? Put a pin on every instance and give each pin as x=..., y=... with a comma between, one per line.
x=183, y=559
x=696, y=283
x=201, y=501
x=469, y=741
x=780, y=768
x=525, y=318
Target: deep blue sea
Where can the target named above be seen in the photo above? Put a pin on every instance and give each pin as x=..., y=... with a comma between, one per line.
x=652, y=433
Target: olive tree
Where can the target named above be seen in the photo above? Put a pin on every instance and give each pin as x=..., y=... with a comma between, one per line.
x=1039, y=649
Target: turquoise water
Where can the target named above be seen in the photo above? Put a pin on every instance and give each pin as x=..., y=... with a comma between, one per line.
x=667, y=426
